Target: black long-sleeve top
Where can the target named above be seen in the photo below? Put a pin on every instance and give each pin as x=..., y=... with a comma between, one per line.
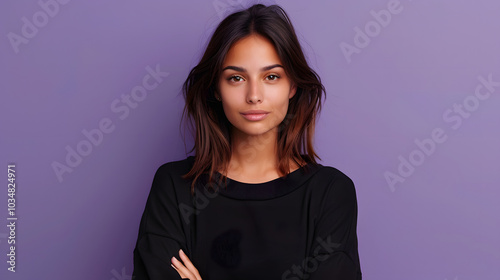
x=299, y=226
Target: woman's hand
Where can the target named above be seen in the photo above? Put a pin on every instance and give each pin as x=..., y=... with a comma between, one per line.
x=186, y=270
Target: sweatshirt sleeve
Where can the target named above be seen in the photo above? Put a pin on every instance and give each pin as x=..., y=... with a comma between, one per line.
x=335, y=245
x=160, y=232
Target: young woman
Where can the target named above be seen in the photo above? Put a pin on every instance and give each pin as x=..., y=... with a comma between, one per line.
x=252, y=203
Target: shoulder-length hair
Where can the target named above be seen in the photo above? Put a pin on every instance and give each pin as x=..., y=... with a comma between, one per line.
x=212, y=129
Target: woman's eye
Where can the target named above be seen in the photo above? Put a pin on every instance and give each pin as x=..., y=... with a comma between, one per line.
x=235, y=79
x=273, y=77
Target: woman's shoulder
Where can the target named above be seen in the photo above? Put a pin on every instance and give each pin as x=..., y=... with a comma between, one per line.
x=168, y=179
x=333, y=173
x=176, y=166
x=334, y=178
x=337, y=191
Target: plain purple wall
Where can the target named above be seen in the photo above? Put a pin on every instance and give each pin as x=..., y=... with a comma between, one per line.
x=410, y=116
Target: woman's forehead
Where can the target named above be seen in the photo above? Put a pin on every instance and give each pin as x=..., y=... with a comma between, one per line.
x=252, y=52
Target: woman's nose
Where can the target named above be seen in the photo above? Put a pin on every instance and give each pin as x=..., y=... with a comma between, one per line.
x=254, y=93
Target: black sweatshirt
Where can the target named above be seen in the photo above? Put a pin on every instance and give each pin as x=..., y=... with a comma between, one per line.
x=299, y=226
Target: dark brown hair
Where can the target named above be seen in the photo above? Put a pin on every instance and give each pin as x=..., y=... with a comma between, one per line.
x=212, y=129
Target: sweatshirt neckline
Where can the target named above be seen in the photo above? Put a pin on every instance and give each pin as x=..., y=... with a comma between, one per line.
x=270, y=182
x=265, y=190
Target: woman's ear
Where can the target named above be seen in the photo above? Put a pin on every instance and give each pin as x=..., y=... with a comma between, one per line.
x=216, y=94
x=293, y=90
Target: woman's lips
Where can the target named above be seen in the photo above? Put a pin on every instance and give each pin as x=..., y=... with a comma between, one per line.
x=255, y=117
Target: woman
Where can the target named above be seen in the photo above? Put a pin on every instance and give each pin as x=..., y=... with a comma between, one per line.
x=252, y=203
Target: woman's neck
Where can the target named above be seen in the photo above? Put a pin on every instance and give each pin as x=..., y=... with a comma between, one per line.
x=254, y=158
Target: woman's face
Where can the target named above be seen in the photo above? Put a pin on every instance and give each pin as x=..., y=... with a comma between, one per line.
x=253, y=79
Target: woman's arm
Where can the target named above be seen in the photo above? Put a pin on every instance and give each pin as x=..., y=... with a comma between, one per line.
x=160, y=231
x=335, y=247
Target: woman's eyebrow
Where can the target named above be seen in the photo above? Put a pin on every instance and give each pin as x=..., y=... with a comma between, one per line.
x=241, y=69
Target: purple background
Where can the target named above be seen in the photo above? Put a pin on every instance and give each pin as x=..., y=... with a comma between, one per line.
x=442, y=222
